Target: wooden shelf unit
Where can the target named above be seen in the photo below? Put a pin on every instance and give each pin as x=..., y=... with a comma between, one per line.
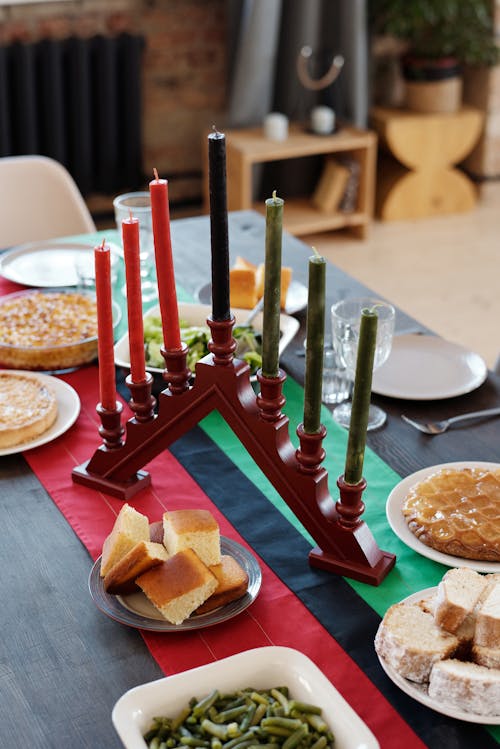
x=248, y=147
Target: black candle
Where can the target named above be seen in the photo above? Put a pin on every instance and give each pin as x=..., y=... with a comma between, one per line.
x=218, y=226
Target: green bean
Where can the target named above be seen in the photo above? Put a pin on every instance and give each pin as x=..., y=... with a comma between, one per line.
x=316, y=722
x=202, y=706
x=231, y=713
x=320, y=743
x=257, y=697
x=247, y=719
x=296, y=737
x=304, y=707
x=259, y=713
x=215, y=729
x=250, y=734
x=193, y=741
x=155, y=743
x=281, y=698
x=290, y=723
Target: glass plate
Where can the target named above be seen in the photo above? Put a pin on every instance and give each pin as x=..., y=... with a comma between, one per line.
x=400, y=527
x=419, y=691
x=136, y=611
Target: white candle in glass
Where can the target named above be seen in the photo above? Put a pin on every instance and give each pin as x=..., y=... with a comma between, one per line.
x=276, y=126
x=323, y=120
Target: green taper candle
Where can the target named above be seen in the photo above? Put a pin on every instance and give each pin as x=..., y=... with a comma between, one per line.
x=315, y=333
x=272, y=287
x=356, y=443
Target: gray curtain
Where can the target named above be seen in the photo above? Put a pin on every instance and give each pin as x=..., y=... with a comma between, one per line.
x=265, y=39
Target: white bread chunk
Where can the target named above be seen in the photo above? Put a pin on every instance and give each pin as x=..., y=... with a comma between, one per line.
x=178, y=586
x=192, y=529
x=410, y=641
x=487, y=631
x=232, y=583
x=467, y=686
x=457, y=596
x=120, y=580
x=489, y=657
x=130, y=527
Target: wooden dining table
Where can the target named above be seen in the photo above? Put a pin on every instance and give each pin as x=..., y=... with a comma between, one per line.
x=64, y=663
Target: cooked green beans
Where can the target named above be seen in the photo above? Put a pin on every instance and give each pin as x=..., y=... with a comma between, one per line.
x=246, y=719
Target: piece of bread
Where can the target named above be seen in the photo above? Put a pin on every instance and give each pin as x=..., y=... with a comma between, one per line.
x=242, y=289
x=130, y=527
x=232, y=583
x=457, y=596
x=178, y=586
x=487, y=630
x=156, y=532
x=192, y=529
x=410, y=641
x=489, y=657
x=120, y=580
x=468, y=686
x=28, y=408
x=286, y=278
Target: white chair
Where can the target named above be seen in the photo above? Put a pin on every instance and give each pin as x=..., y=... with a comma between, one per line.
x=39, y=200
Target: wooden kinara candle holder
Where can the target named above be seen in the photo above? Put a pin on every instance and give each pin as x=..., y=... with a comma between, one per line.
x=345, y=544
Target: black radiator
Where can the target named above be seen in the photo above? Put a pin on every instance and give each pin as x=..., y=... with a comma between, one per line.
x=79, y=101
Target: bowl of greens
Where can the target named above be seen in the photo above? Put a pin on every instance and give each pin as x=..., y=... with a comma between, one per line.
x=196, y=334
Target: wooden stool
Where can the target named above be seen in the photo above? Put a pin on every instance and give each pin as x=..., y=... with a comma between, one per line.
x=419, y=178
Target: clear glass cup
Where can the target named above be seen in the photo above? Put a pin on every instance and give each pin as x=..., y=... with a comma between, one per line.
x=346, y=320
x=139, y=205
x=336, y=384
x=85, y=271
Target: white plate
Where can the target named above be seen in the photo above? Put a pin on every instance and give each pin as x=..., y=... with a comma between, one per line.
x=296, y=298
x=196, y=314
x=68, y=405
x=262, y=668
x=47, y=264
x=419, y=691
x=400, y=527
x=136, y=611
x=422, y=367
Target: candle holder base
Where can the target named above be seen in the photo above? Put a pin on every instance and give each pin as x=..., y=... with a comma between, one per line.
x=364, y=573
x=122, y=489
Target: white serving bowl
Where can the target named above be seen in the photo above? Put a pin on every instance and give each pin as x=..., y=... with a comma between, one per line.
x=196, y=314
x=261, y=668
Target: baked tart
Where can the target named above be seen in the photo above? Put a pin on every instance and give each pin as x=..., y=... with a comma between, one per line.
x=28, y=408
x=457, y=511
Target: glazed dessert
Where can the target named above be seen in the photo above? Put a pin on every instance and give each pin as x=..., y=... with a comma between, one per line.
x=28, y=408
x=456, y=511
x=47, y=330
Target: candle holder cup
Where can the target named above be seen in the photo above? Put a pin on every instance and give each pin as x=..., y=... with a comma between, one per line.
x=345, y=544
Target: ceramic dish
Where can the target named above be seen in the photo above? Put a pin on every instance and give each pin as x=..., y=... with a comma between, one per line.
x=136, y=611
x=422, y=367
x=419, y=691
x=262, y=668
x=68, y=408
x=196, y=314
x=296, y=298
x=399, y=526
x=50, y=263
x=60, y=311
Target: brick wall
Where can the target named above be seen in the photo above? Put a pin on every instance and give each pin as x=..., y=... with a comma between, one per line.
x=184, y=76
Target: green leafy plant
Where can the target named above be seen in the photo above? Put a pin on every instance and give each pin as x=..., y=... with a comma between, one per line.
x=435, y=29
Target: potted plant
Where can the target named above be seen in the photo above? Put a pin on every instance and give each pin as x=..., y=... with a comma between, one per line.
x=440, y=36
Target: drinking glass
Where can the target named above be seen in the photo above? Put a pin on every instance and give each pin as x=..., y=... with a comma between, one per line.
x=139, y=205
x=346, y=320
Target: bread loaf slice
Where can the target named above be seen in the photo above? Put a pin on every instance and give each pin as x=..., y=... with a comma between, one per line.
x=487, y=631
x=178, y=586
x=192, y=529
x=489, y=657
x=129, y=528
x=410, y=641
x=468, y=686
x=120, y=580
x=457, y=596
x=232, y=583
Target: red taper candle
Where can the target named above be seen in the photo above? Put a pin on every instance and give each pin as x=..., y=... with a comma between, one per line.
x=131, y=250
x=105, y=351
x=158, y=189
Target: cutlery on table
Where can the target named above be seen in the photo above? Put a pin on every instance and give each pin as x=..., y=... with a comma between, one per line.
x=438, y=427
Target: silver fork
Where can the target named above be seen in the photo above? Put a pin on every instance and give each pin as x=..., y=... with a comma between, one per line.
x=438, y=427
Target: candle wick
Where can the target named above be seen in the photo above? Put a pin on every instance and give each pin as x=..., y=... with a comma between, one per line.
x=130, y=214
x=155, y=172
x=316, y=252
x=103, y=244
